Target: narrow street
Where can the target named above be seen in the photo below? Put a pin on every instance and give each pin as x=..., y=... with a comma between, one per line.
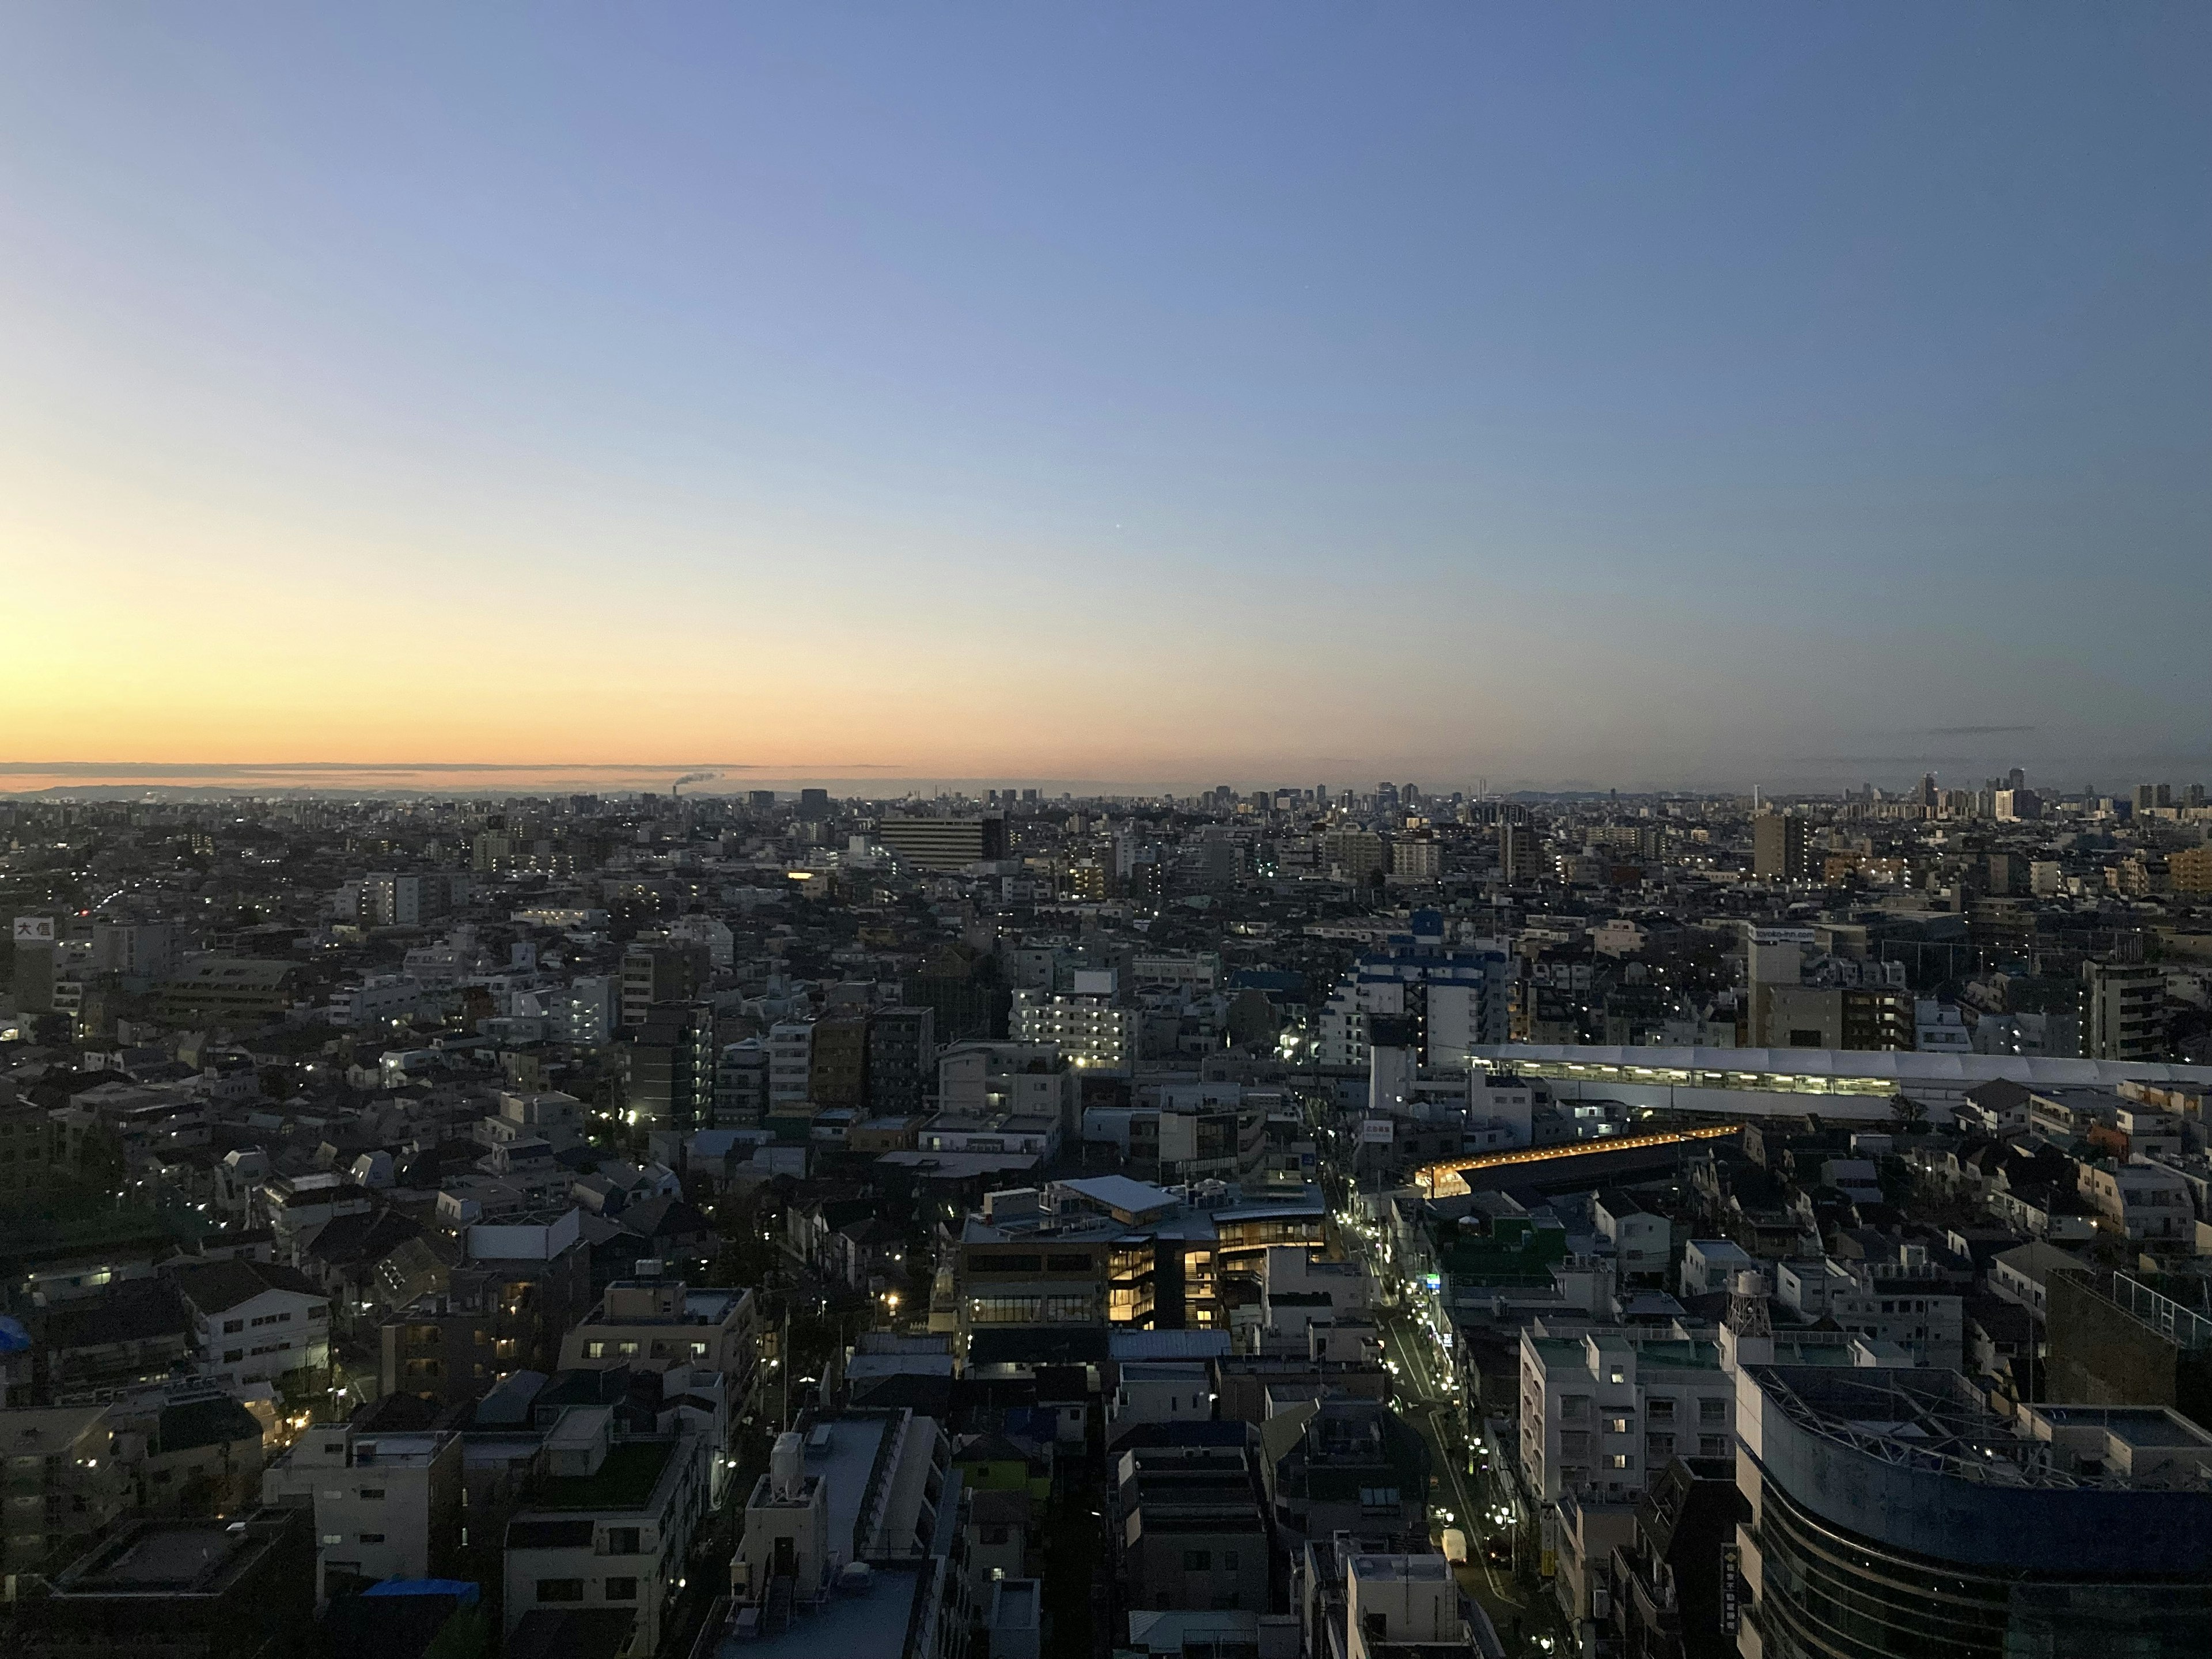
x=1426, y=1399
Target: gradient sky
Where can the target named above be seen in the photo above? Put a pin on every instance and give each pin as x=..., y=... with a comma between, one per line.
x=1131, y=393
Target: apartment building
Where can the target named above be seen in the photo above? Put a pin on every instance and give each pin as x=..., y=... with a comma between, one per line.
x=385, y=1505
x=1601, y=1406
x=656, y=1324
x=609, y=1523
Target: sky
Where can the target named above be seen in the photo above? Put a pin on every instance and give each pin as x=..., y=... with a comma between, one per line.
x=1130, y=395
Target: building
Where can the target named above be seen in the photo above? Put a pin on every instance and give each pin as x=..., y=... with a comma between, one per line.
x=2130, y=1337
x=848, y=1546
x=238, y=1586
x=1194, y=1530
x=1778, y=848
x=790, y=1063
x=652, y=974
x=1449, y=1000
x=1603, y=1405
x=902, y=1060
x=1335, y=1465
x=385, y=1505
x=1670, y=1584
x=947, y=844
x=837, y=1061
x=226, y=991
x=519, y=1287
x=655, y=1324
x=609, y=1523
x=1083, y=1023
x=253, y=1321
x=58, y=1486
x=671, y=1074
x=2123, y=1010
x=1891, y=1511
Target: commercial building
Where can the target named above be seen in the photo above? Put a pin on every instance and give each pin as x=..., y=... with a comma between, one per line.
x=946, y=844
x=1891, y=1512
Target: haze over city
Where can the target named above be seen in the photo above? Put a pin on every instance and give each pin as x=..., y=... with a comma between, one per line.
x=1137, y=396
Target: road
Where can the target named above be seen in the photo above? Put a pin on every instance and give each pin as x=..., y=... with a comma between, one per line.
x=1426, y=1399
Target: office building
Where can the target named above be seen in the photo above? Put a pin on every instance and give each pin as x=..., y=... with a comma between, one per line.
x=946, y=844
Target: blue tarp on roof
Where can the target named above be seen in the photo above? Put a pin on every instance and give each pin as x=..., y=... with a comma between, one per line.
x=461, y=1588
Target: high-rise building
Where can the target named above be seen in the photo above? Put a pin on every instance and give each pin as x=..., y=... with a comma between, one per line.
x=814, y=805
x=1777, y=848
x=1516, y=852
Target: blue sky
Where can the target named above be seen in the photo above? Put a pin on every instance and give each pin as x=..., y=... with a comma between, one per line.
x=1141, y=393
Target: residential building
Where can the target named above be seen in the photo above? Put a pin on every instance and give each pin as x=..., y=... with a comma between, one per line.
x=59, y=1484
x=670, y=1075
x=848, y=1545
x=656, y=1324
x=2123, y=1010
x=1083, y=1023
x=254, y=1321
x=607, y=1523
x=1778, y=848
x=385, y=1505
x=1192, y=1527
x=902, y=1061
x=1601, y=1406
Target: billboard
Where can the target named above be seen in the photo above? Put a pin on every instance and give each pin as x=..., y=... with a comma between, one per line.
x=1375, y=1132
x=34, y=930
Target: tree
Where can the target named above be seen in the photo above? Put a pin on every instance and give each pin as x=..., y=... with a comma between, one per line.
x=1907, y=1115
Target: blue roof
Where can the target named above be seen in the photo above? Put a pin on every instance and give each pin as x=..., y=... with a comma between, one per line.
x=461, y=1588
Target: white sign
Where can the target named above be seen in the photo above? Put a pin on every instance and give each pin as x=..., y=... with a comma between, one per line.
x=34, y=930
x=1375, y=1132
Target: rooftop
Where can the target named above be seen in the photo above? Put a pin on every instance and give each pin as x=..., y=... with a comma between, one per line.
x=625, y=1481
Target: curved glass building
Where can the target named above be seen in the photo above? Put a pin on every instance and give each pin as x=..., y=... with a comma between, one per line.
x=1894, y=1517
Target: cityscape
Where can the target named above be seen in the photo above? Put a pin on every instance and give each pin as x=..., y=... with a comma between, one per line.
x=1105, y=832
x=1293, y=1221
